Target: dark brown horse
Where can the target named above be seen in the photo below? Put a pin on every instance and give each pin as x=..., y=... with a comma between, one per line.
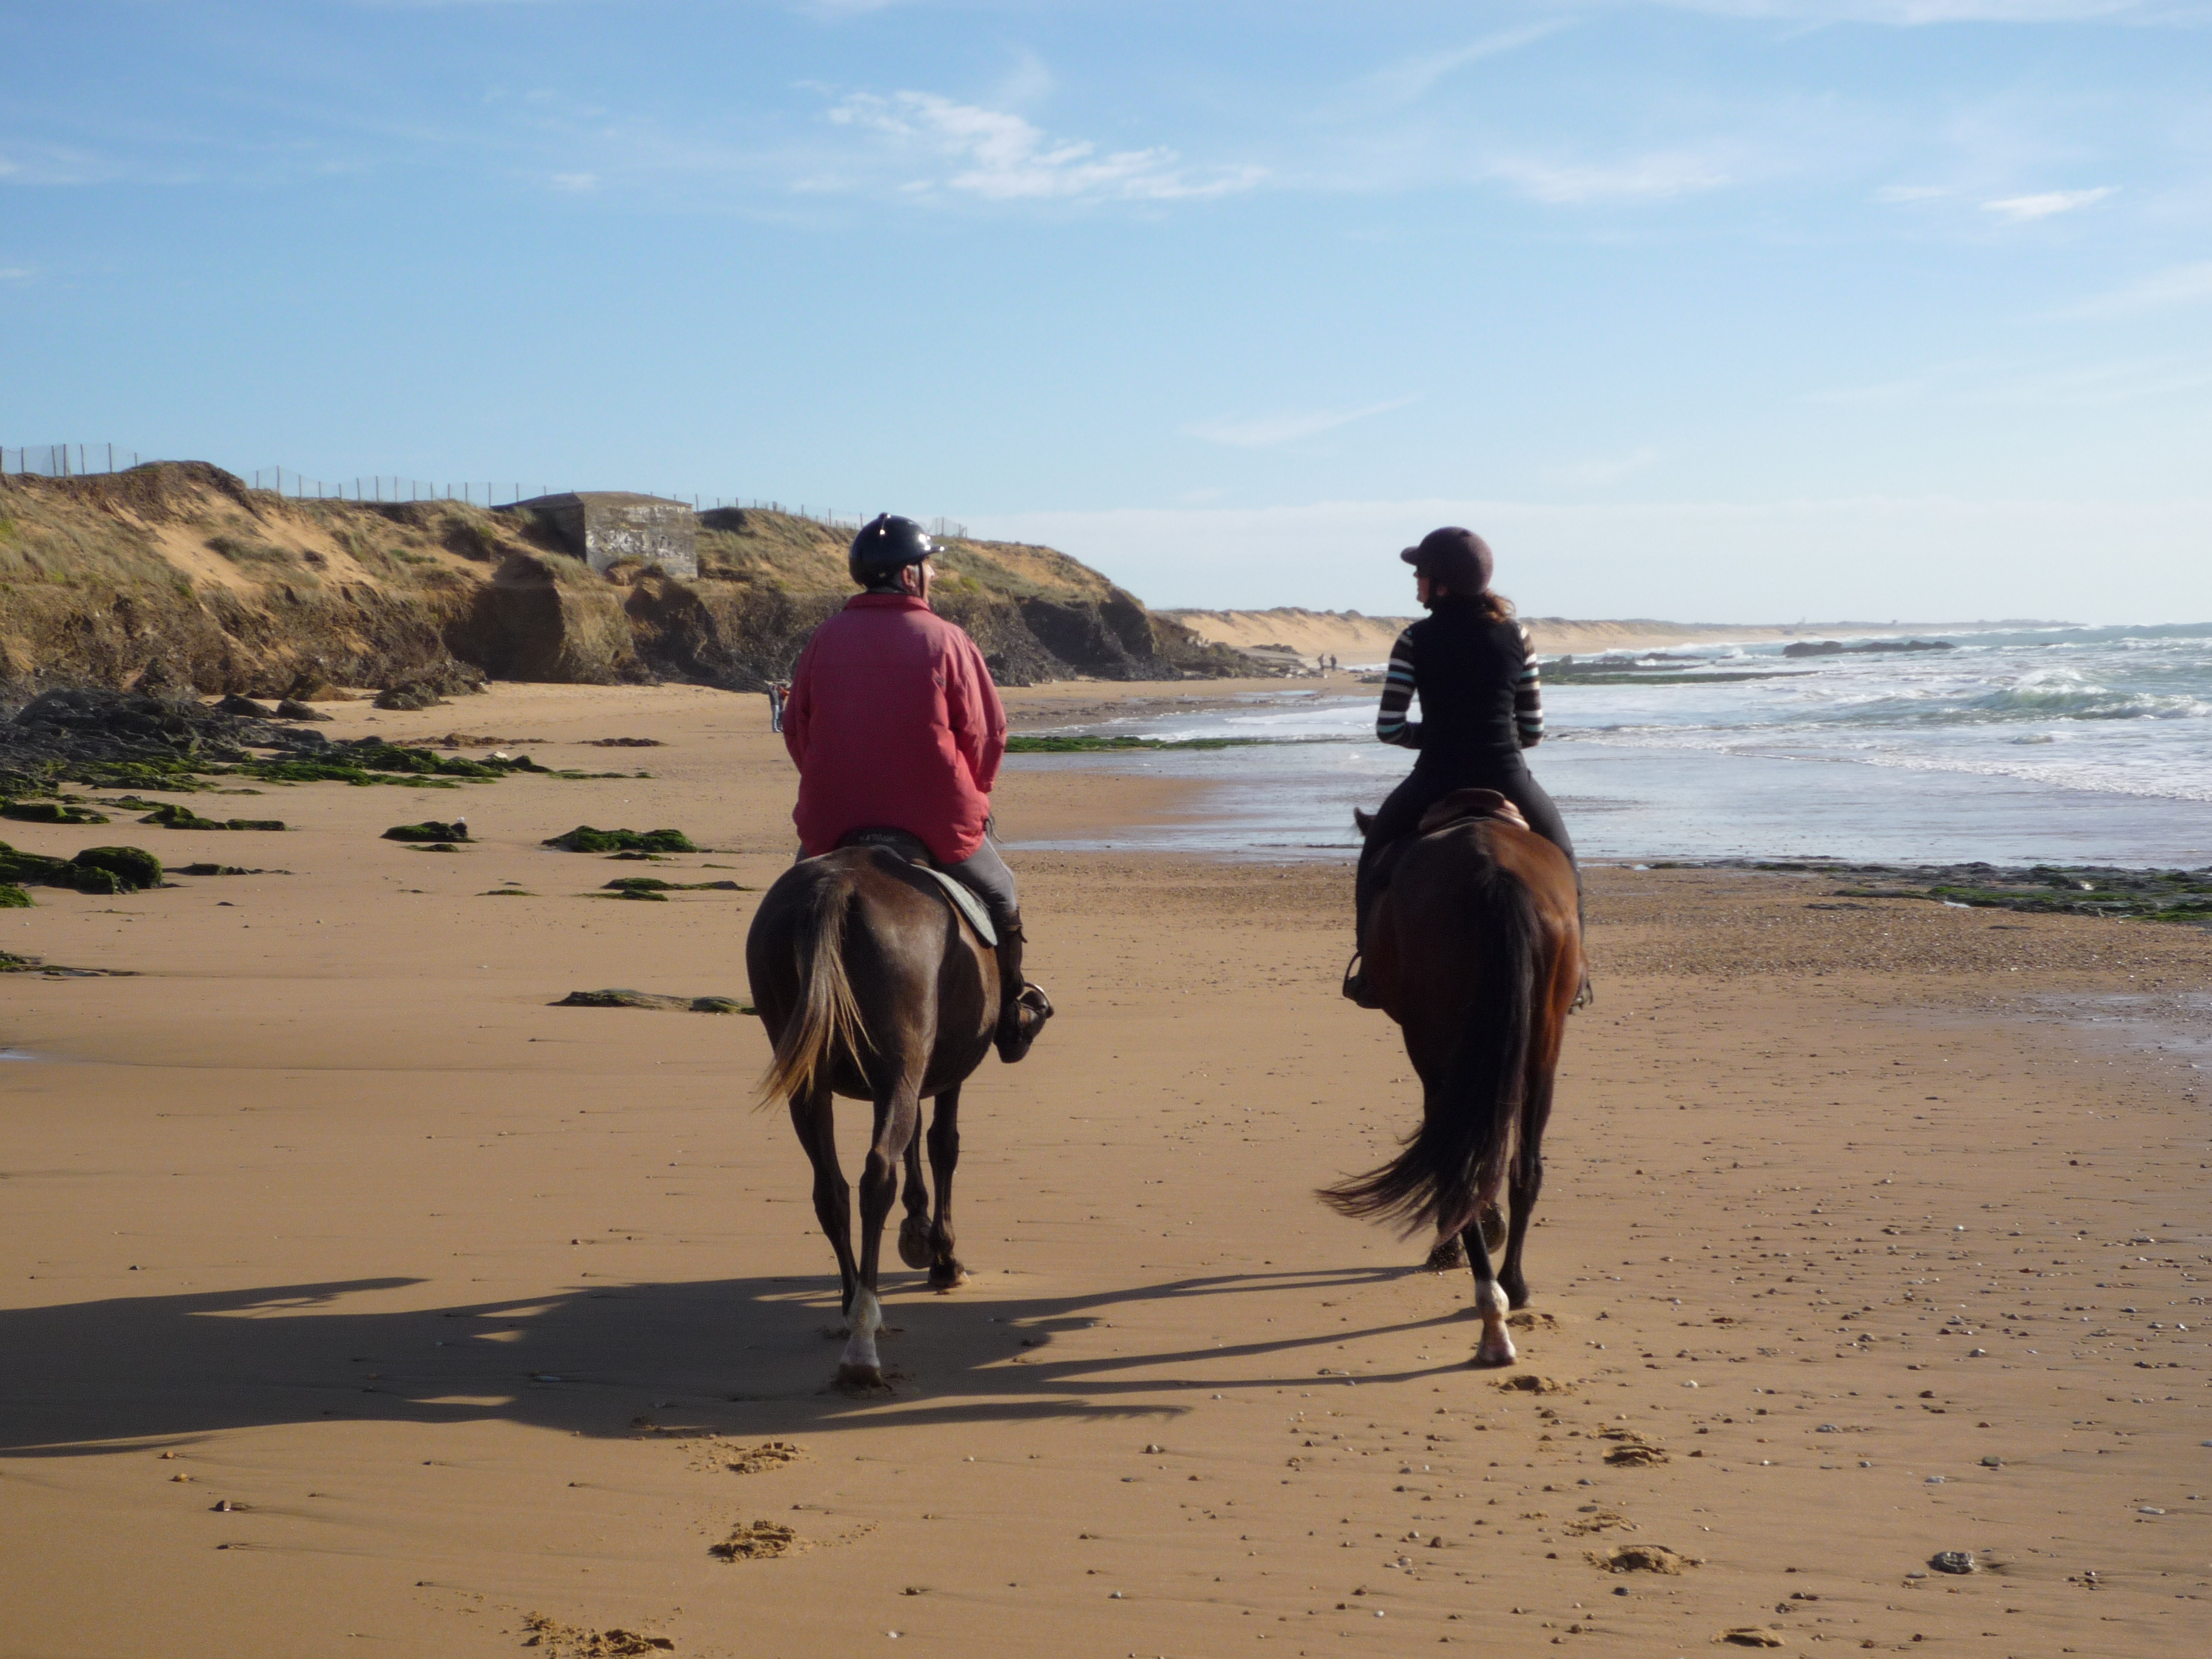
x=1475, y=950
x=871, y=985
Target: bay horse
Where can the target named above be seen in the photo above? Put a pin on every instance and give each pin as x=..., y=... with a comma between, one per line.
x=872, y=985
x=1475, y=950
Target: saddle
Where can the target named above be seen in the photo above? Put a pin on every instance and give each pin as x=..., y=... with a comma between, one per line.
x=910, y=848
x=1463, y=805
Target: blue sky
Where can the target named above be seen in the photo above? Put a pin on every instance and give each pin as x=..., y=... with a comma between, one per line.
x=1746, y=310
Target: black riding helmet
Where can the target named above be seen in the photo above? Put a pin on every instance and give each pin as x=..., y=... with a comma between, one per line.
x=886, y=545
x=1457, y=559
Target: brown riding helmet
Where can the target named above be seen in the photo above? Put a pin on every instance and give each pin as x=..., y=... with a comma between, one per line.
x=1458, y=559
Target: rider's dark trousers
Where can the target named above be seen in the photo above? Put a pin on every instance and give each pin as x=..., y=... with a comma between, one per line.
x=984, y=873
x=1425, y=785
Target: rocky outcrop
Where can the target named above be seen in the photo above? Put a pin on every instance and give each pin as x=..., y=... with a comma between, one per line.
x=175, y=578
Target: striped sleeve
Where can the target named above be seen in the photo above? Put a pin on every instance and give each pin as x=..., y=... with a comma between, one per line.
x=1528, y=698
x=1391, y=725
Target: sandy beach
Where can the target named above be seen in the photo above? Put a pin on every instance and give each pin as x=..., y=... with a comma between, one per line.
x=354, y=1300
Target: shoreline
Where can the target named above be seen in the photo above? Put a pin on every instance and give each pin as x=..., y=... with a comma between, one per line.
x=1312, y=633
x=460, y=1309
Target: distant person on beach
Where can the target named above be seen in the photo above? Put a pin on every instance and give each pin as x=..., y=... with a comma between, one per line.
x=895, y=724
x=1482, y=704
x=778, y=691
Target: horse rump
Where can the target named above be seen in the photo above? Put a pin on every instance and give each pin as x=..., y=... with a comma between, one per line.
x=828, y=1014
x=1455, y=1162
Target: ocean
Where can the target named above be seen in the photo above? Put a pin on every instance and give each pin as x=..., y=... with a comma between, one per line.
x=2075, y=745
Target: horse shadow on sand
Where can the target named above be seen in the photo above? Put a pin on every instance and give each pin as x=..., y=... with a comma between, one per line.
x=736, y=1355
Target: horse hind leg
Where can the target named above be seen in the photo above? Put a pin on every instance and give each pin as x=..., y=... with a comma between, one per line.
x=945, y=1272
x=1449, y=1256
x=898, y=1114
x=1495, y=1348
x=914, y=1237
x=813, y=1115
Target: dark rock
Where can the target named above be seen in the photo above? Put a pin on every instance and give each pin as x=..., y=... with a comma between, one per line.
x=49, y=812
x=293, y=710
x=585, y=839
x=1837, y=649
x=622, y=998
x=106, y=870
x=244, y=707
x=429, y=829
x=133, y=866
x=1959, y=1561
x=408, y=698
x=170, y=815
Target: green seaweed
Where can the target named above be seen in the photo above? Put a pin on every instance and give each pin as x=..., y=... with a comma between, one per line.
x=625, y=998
x=133, y=866
x=169, y=816
x=654, y=884
x=506, y=892
x=102, y=870
x=429, y=829
x=585, y=839
x=13, y=897
x=49, y=812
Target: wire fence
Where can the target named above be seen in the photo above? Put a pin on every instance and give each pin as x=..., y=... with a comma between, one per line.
x=66, y=460
x=77, y=460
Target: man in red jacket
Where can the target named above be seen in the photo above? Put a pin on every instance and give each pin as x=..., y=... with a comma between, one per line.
x=895, y=724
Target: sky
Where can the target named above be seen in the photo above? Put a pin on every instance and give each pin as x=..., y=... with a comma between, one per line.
x=1717, y=310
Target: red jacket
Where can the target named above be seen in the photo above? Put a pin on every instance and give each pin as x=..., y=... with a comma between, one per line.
x=895, y=724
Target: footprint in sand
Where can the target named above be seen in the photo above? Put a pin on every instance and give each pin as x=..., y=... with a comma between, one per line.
x=1641, y=1557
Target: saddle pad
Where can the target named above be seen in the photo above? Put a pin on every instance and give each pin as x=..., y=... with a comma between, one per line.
x=967, y=904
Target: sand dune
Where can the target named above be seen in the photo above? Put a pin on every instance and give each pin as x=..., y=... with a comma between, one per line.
x=359, y=1301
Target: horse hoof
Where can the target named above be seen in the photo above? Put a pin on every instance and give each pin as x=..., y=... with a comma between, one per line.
x=861, y=1379
x=914, y=1241
x=1517, y=1296
x=947, y=1277
x=1488, y=1357
x=1493, y=1228
x=1447, y=1257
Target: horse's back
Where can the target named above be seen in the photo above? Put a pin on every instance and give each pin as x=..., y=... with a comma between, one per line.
x=1448, y=887
x=925, y=987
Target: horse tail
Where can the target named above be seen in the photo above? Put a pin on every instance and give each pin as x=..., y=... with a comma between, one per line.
x=1455, y=1162
x=828, y=1014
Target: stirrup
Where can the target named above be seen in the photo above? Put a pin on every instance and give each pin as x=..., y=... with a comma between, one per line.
x=1356, y=989
x=1030, y=1010
x=1585, y=997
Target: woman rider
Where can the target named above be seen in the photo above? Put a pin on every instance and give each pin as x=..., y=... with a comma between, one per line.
x=1469, y=662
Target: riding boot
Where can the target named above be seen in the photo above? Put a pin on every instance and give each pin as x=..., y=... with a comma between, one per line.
x=1356, y=989
x=1584, y=994
x=1023, y=1008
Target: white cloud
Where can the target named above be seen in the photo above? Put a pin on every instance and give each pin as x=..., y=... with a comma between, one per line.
x=1411, y=79
x=1264, y=431
x=1656, y=178
x=16, y=273
x=2019, y=210
x=575, y=181
x=1910, y=192
x=2182, y=285
x=1599, y=473
x=1000, y=156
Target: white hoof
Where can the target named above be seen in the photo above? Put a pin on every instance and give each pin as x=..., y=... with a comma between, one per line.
x=865, y=1319
x=1496, y=1347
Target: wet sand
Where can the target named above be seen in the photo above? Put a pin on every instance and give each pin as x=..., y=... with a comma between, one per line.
x=466, y=1304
